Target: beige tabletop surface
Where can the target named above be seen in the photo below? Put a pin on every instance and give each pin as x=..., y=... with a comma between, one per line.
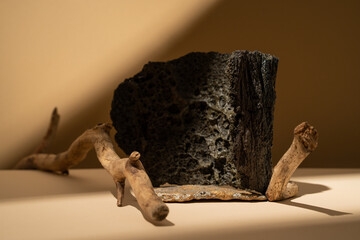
x=41, y=205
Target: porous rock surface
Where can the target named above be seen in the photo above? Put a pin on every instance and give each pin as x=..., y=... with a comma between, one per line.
x=204, y=118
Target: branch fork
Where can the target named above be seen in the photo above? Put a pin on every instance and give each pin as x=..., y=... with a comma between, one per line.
x=120, y=169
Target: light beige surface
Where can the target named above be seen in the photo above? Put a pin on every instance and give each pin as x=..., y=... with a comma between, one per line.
x=40, y=205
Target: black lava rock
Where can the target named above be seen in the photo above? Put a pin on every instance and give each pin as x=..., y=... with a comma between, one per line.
x=204, y=118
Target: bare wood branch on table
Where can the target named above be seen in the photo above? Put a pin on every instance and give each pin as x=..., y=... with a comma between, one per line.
x=305, y=141
x=119, y=168
x=50, y=134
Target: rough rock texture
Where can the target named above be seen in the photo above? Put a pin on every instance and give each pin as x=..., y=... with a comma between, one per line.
x=187, y=193
x=204, y=118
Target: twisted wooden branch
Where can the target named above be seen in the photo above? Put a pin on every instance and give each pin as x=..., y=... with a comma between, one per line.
x=305, y=141
x=131, y=169
x=50, y=133
x=119, y=168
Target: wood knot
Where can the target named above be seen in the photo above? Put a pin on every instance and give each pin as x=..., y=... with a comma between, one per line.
x=134, y=156
x=307, y=135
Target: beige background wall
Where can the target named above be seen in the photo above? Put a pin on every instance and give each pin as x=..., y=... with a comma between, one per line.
x=73, y=54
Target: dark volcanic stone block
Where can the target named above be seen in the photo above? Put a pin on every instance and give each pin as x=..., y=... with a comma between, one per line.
x=205, y=118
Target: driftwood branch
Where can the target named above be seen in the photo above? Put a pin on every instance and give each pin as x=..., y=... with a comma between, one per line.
x=131, y=169
x=50, y=133
x=305, y=141
x=119, y=168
